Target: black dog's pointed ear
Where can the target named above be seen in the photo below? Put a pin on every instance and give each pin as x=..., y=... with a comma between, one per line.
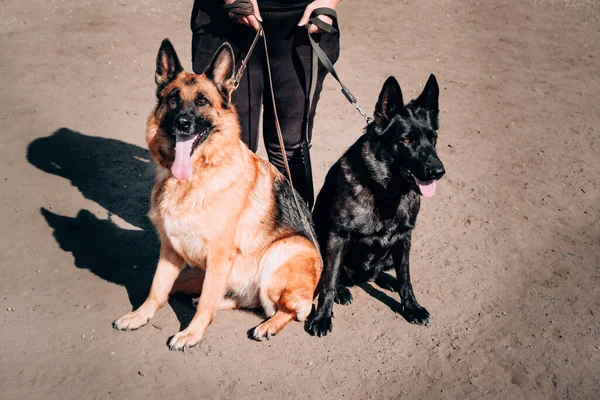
x=167, y=64
x=430, y=95
x=390, y=101
x=221, y=70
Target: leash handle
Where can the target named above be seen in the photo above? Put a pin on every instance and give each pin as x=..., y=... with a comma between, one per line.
x=239, y=9
x=330, y=12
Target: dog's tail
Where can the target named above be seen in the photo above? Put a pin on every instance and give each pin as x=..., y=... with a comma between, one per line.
x=189, y=281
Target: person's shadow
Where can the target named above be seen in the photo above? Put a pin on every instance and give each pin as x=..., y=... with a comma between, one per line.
x=119, y=177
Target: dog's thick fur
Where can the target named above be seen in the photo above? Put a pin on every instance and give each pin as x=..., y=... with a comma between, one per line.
x=367, y=208
x=229, y=213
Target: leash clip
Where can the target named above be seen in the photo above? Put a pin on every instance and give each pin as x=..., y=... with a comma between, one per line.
x=362, y=113
x=352, y=100
x=240, y=72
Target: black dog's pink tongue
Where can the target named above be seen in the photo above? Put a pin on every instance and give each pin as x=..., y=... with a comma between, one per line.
x=182, y=167
x=427, y=188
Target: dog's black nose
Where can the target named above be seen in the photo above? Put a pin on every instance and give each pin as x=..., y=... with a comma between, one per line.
x=437, y=173
x=183, y=122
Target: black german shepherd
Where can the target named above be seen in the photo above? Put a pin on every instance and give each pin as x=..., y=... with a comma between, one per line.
x=368, y=206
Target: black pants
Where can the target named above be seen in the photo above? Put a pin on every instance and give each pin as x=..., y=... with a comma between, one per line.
x=290, y=56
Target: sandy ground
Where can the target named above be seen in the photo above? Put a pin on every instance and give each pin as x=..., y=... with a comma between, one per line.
x=506, y=256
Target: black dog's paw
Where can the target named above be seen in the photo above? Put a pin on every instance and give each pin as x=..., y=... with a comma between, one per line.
x=416, y=315
x=320, y=326
x=342, y=295
x=387, y=282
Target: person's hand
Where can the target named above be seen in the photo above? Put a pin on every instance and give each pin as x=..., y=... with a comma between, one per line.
x=249, y=20
x=314, y=5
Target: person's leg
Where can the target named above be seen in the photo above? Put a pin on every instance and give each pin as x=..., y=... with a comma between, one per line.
x=212, y=28
x=290, y=55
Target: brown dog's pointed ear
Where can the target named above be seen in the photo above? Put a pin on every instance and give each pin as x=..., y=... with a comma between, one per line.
x=167, y=64
x=390, y=101
x=429, y=97
x=221, y=71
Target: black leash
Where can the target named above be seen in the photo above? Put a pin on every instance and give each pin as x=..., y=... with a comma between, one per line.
x=325, y=60
x=319, y=55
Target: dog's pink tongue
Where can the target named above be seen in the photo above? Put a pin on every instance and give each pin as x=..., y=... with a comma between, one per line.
x=427, y=188
x=182, y=167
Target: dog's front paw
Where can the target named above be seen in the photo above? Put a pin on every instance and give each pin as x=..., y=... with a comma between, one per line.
x=416, y=315
x=320, y=326
x=131, y=321
x=185, y=340
x=342, y=295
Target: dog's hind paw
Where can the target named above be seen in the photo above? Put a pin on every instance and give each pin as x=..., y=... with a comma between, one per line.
x=387, y=282
x=131, y=321
x=264, y=331
x=195, y=302
x=342, y=295
x=320, y=326
x=416, y=315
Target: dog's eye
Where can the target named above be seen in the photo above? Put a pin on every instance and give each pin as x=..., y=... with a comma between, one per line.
x=201, y=101
x=173, y=99
x=406, y=140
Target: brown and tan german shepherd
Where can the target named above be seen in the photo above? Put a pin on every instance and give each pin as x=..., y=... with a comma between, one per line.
x=220, y=208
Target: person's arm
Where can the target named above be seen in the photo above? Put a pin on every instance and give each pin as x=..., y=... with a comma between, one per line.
x=314, y=5
x=250, y=20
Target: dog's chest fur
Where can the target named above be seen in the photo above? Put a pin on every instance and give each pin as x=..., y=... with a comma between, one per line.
x=372, y=203
x=381, y=221
x=194, y=220
x=190, y=217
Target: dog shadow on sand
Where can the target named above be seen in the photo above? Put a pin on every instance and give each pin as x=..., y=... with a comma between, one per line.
x=119, y=177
